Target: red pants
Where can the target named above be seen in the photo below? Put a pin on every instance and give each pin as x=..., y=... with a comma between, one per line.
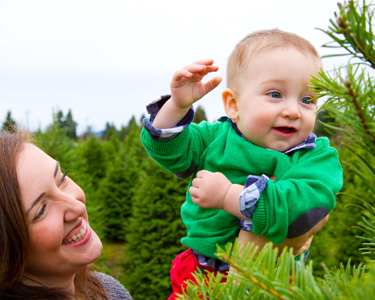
x=183, y=266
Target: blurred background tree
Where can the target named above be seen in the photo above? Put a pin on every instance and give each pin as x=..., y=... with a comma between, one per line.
x=9, y=123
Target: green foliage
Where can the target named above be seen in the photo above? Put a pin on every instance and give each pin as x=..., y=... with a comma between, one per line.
x=90, y=167
x=68, y=123
x=126, y=129
x=155, y=232
x=117, y=189
x=9, y=123
x=336, y=243
x=110, y=130
x=350, y=100
x=57, y=144
x=113, y=196
x=199, y=115
x=323, y=118
x=265, y=276
x=94, y=159
x=352, y=31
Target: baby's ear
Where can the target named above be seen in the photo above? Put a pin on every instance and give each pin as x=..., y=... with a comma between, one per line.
x=230, y=103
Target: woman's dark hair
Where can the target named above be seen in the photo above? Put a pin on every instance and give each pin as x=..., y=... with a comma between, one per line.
x=14, y=235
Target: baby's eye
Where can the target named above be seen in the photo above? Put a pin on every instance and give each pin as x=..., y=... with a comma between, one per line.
x=276, y=95
x=307, y=100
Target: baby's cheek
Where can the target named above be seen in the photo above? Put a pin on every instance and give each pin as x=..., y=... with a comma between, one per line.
x=259, y=124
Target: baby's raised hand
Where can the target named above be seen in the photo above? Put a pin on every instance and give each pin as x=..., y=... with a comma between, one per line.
x=187, y=86
x=209, y=189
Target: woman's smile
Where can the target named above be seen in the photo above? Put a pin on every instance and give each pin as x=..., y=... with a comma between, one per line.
x=78, y=236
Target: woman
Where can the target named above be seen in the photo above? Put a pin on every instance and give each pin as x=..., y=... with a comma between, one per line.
x=46, y=242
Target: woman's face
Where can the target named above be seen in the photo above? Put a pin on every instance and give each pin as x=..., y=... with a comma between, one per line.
x=61, y=240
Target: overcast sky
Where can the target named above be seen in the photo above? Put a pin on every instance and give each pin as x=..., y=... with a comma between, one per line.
x=105, y=60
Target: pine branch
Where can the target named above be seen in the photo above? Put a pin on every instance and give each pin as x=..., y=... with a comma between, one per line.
x=359, y=111
x=250, y=277
x=352, y=31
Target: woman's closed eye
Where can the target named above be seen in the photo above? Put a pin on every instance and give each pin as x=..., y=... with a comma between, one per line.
x=40, y=212
x=275, y=95
x=63, y=178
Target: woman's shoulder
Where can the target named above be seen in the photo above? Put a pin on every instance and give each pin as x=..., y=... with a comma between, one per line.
x=113, y=287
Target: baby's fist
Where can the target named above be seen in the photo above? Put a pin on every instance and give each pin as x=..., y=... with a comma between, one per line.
x=209, y=189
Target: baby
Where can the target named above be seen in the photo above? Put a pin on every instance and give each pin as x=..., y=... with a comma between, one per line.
x=275, y=175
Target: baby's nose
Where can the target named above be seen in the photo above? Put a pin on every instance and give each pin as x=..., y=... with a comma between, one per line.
x=291, y=111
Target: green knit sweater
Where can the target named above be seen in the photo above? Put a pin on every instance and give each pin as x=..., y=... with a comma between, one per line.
x=307, y=181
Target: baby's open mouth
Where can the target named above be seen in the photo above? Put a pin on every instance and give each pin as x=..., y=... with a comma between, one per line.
x=285, y=129
x=285, y=132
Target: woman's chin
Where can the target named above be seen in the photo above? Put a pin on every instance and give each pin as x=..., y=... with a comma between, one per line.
x=96, y=247
x=99, y=244
x=86, y=250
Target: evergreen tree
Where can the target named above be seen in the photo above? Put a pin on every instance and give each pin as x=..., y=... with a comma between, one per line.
x=90, y=167
x=71, y=126
x=125, y=130
x=114, y=196
x=60, y=119
x=115, y=193
x=133, y=148
x=57, y=144
x=200, y=115
x=155, y=232
x=9, y=123
x=110, y=129
x=94, y=159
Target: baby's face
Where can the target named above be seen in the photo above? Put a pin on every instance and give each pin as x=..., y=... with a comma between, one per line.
x=273, y=106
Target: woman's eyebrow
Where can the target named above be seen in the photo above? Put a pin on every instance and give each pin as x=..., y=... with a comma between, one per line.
x=36, y=201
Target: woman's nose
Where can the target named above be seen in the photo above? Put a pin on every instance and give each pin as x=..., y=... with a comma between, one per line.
x=73, y=208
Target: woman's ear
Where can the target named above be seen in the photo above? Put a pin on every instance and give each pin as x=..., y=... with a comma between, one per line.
x=230, y=103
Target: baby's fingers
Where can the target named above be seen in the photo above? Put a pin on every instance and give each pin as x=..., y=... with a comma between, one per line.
x=196, y=182
x=213, y=83
x=189, y=71
x=182, y=73
x=204, y=61
x=202, y=173
x=193, y=191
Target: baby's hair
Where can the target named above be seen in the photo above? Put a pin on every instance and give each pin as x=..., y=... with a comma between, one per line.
x=260, y=41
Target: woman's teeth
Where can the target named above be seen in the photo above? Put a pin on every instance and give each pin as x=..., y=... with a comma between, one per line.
x=76, y=237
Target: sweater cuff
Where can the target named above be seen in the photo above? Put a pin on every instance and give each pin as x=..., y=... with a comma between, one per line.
x=164, y=135
x=259, y=217
x=167, y=146
x=254, y=186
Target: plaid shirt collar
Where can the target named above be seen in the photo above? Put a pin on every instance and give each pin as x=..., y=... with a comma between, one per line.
x=309, y=143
